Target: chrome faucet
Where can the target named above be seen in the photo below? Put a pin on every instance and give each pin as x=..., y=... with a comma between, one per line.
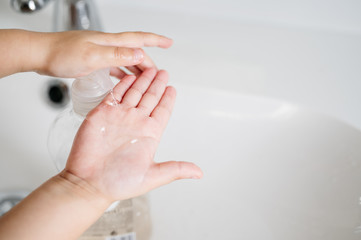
x=68, y=14
x=28, y=6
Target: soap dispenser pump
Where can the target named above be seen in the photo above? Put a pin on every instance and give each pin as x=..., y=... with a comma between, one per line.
x=127, y=219
x=86, y=93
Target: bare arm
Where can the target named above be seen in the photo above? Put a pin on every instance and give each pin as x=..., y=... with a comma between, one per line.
x=111, y=159
x=75, y=53
x=17, y=52
x=61, y=208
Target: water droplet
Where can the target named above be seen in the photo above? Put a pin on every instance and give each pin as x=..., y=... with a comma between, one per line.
x=115, y=101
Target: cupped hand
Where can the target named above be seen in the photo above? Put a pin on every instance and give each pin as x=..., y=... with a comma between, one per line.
x=114, y=148
x=78, y=53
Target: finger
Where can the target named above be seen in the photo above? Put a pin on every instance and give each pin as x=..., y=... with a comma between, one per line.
x=138, y=69
x=147, y=63
x=136, y=91
x=154, y=93
x=117, y=72
x=164, y=108
x=167, y=172
x=135, y=70
x=133, y=40
x=120, y=89
x=116, y=56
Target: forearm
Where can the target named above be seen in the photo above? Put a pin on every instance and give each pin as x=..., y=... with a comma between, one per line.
x=62, y=208
x=21, y=51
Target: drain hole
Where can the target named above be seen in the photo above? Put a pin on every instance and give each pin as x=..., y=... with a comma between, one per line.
x=57, y=93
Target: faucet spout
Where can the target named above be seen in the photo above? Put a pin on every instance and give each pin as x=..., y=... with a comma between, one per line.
x=28, y=6
x=76, y=15
x=68, y=14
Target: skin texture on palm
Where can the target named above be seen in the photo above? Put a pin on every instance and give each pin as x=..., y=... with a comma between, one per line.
x=114, y=148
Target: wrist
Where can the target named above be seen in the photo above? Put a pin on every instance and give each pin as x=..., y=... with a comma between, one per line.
x=21, y=50
x=65, y=205
x=39, y=46
x=79, y=190
x=30, y=50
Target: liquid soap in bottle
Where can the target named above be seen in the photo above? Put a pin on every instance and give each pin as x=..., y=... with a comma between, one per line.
x=128, y=219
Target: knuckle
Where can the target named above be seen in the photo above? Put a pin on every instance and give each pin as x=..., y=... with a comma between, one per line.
x=164, y=110
x=117, y=54
x=151, y=94
x=178, y=170
x=143, y=108
x=163, y=80
x=142, y=35
x=136, y=91
x=123, y=56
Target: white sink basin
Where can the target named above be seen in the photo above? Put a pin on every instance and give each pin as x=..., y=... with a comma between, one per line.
x=272, y=171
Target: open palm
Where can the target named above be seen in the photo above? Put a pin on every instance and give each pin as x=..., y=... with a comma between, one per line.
x=115, y=146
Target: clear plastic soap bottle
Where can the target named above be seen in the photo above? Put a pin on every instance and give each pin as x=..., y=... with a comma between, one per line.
x=127, y=219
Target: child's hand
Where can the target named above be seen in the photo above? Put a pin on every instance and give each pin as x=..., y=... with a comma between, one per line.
x=114, y=148
x=78, y=53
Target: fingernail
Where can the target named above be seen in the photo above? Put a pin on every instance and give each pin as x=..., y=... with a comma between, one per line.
x=138, y=55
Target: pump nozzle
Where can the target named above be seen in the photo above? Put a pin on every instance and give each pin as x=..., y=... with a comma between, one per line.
x=88, y=91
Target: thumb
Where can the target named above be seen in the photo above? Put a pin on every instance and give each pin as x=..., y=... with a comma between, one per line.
x=167, y=172
x=120, y=56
